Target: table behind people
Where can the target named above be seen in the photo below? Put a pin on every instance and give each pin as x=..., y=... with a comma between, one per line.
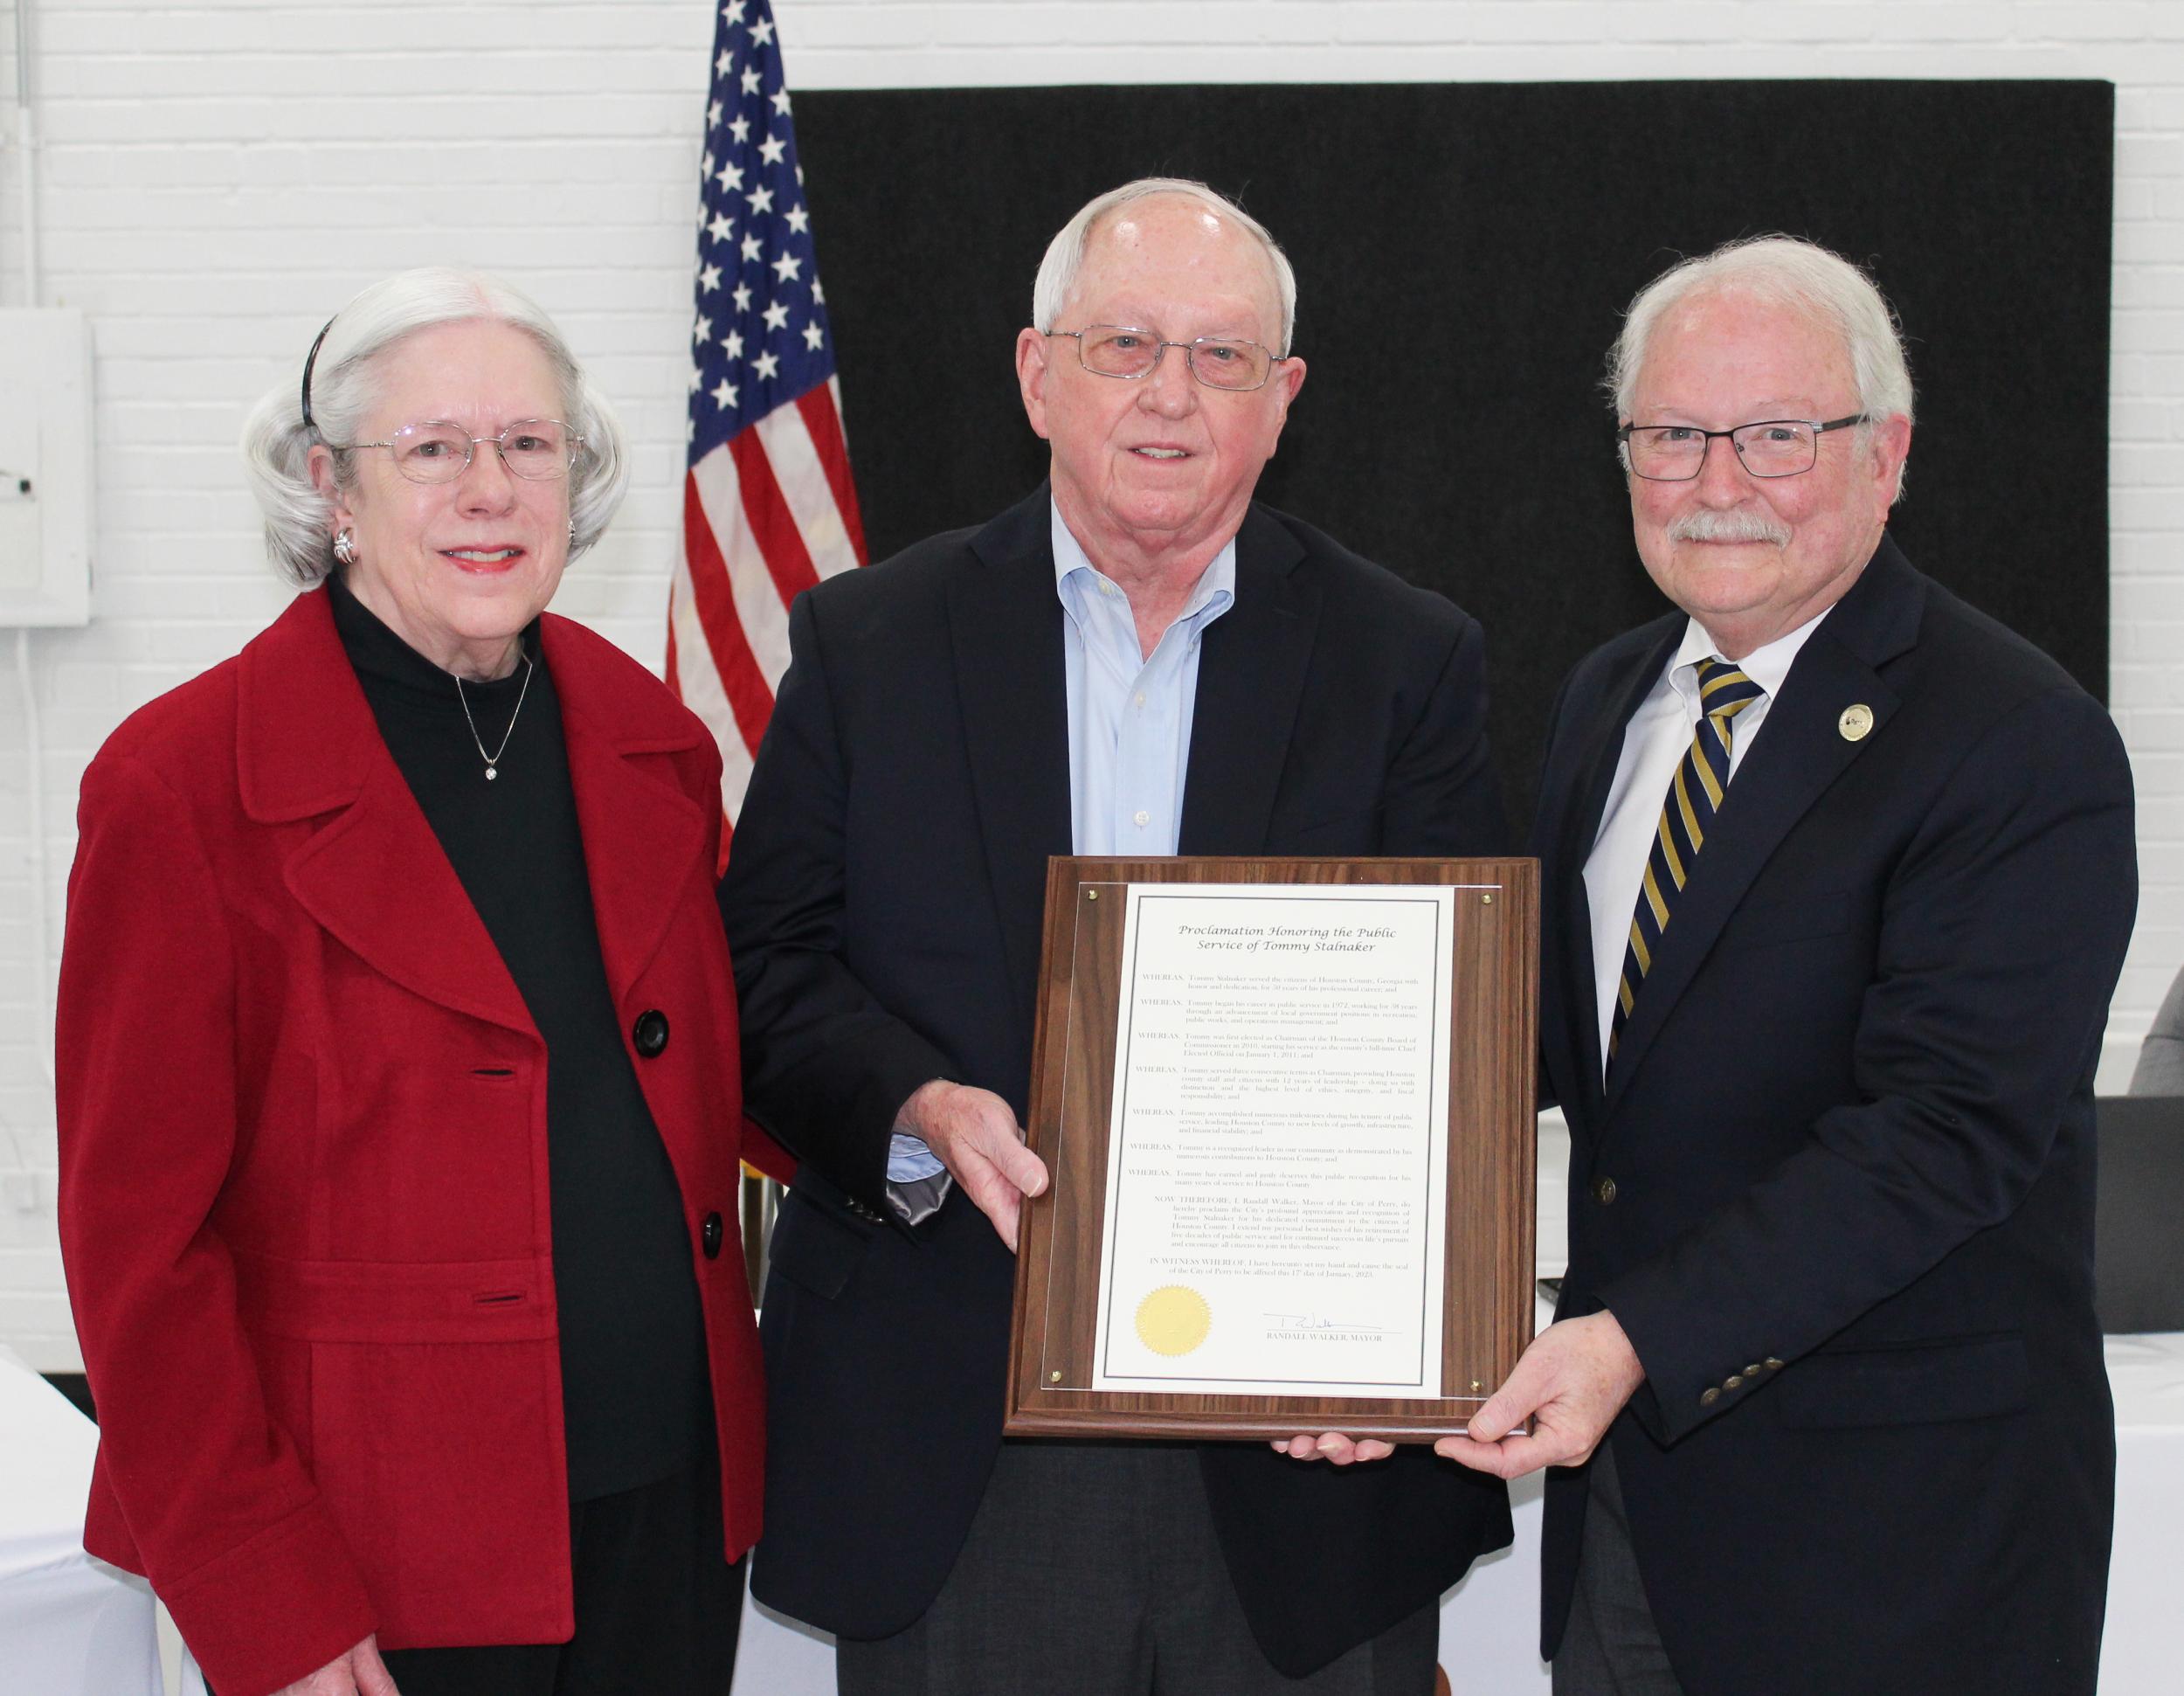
x=1823, y=1024
x=70, y=1626
x=1137, y=658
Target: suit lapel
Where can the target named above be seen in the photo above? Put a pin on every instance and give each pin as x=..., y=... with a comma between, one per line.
x=1252, y=665
x=641, y=833
x=1005, y=630
x=1800, y=752
x=1565, y=843
x=374, y=876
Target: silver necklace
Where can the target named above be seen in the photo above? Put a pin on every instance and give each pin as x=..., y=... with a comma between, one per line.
x=493, y=759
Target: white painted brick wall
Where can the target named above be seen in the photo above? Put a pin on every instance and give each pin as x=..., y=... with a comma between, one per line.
x=215, y=176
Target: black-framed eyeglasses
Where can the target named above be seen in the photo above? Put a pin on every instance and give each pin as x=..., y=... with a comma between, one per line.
x=437, y=452
x=1218, y=361
x=1774, y=447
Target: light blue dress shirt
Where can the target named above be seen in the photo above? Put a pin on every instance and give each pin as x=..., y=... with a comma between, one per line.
x=1129, y=727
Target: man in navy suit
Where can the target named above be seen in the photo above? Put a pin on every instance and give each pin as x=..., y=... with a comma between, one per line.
x=1838, y=875
x=1137, y=658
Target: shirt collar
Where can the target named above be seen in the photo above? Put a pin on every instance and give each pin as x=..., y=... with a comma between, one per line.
x=1216, y=587
x=1768, y=667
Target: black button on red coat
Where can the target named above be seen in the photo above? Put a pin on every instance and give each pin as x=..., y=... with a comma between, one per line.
x=709, y=1235
x=650, y=1032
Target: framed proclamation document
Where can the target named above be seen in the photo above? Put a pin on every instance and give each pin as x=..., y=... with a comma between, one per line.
x=1288, y=1111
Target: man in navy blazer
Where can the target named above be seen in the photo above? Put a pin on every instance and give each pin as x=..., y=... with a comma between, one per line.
x=1838, y=876
x=1137, y=658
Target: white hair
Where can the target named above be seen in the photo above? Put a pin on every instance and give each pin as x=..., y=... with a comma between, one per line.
x=1065, y=253
x=1786, y=271
x=276, y=442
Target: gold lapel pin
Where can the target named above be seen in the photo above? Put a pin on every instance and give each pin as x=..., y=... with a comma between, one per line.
x=1856, y=723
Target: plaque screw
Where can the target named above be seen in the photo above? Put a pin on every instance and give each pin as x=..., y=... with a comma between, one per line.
x=1486, y=900
x=1477, y=1385
x=1091, y=895
x=1055, y=1378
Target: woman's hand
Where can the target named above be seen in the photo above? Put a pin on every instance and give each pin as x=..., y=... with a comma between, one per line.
x=360, y=1672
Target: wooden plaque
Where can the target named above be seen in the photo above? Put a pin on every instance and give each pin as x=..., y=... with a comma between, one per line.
x=1486, y=1255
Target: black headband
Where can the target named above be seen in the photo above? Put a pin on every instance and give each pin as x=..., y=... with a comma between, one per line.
x=311, y=359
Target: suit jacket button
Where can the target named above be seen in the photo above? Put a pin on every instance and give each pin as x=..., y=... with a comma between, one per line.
x=1708, y=1397
x=1604, y=1190
x=650, y=1032
x=1773, y=1364
x=1751, y=1372
x=1732, y=1381
x=709, y=1234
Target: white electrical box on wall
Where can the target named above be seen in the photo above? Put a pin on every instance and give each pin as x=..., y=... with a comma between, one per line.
x=45, y=467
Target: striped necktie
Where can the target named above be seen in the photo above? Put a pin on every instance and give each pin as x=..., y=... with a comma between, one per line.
x=1687, y=813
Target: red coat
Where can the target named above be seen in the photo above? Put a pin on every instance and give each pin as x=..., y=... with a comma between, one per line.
x=303, y=1157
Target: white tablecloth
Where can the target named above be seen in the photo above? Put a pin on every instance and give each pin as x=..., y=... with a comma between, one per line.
x=1489, y=1624
x=2141, y=1652
x=69, y=1625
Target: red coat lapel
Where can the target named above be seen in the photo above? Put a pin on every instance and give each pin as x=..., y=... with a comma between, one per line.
x=373, y=874
x=642, y=833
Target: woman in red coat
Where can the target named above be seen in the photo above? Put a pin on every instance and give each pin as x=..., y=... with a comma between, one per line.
x=400, y=1107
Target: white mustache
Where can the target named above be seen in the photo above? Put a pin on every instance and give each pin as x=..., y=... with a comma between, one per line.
x=1736, y=525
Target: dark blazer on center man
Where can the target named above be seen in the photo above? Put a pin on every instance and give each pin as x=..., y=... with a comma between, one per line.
x=1839, y=1186
x=883, y=902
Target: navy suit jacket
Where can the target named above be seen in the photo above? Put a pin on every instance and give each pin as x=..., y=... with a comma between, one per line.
x=883, y=901
x=1849, y=1136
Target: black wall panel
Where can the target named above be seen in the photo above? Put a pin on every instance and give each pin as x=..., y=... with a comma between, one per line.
x=1463, y=254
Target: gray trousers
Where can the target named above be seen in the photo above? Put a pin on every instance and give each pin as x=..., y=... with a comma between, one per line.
x=1611, y=1646
x=1092, y=1570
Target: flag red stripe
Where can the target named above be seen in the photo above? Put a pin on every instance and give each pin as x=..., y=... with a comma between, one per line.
x=772, y=525
x=741, y=680
x=826, y=425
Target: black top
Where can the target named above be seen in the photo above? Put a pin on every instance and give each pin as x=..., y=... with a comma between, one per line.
x=634, y=1395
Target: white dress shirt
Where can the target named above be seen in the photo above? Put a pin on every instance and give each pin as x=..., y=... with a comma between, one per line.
x=1654, y=741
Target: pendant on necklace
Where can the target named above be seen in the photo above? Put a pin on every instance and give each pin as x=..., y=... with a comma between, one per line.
x=491, y=772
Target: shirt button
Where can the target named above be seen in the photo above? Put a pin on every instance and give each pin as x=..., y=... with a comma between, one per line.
x=1106, y=588
x=1140, y=697
x=1141, y=818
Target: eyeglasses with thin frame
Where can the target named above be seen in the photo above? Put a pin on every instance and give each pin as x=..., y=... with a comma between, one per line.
x=434, y=451
x=1218, y=361
x=1773, y=447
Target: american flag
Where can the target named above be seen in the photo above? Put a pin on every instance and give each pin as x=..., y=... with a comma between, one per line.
x=768, y=506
